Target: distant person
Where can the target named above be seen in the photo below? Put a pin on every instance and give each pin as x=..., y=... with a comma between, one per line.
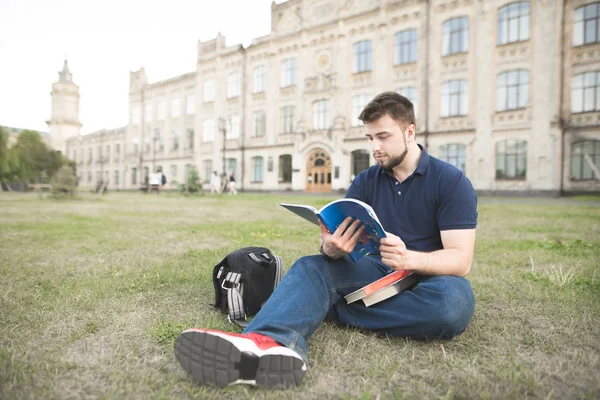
x=215, y=183
x=156, y=181
x=231, y=184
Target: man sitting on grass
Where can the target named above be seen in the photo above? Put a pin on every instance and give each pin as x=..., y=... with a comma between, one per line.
x=429, y=211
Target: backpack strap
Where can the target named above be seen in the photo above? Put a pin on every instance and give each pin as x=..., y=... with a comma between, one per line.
x=235, y=292
x=278, y=271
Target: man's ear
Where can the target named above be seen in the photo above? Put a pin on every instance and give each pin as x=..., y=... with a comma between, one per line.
x=410, y=133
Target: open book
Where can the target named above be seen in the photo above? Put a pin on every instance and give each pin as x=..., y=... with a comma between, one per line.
x=384, y=288
x=334, y=213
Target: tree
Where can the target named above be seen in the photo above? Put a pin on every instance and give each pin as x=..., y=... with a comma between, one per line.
x=64, y=182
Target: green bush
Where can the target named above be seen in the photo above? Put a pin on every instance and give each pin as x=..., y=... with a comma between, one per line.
x=64, y=182
x=193, y=181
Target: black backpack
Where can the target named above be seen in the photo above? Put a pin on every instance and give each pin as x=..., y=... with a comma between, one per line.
x=244, y=280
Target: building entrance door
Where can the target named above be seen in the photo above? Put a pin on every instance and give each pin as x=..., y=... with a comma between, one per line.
x=318, y=172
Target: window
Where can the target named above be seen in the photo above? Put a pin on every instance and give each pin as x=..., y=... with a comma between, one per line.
x=232, y=166
x=175, y=107
x=136, y=144
x=288, y=72
x=207, y=169
x=455, y=99
x=411, y=94
x=285, y=168
x=117, y=178
x=455, y=36
x=512, y=91
x=173, y=172
x=74, y=158
x=586, y=24
x=405, y=51
x=361, y=60
x=511, y=159
x=107, y=155
x=233, y=127
x=321, y=114
x=162, y=110
x=585, y=94
x=580, y=165
x=259, y=79
x=256, y=165
x=190, y=104
x=135, y=114
x=174, y=141
x=117, y=152
x=189, y=143
x=513, y=23
x=133, y=176
x=360, y=161
x=148, y=112
x=358, y=104
x=287, y=119
x=208, y=134
x=233, y=85
x=89, y=177
x=454, y=154
x=209, y=90
x=159, y=141
x=258, y=124
x=99, y=153
x=90, y=155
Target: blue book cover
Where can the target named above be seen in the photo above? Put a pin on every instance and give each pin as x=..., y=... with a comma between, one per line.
x=334, y=213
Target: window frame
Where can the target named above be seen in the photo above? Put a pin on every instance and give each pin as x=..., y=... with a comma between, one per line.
x=463, y=84
x=259, y=79
x=505, y=23
x=460, y=154
x=362, y=56
x=520, y=86
x=520, y=150
x=358, y=103
x=259, y=123
x=449, y=32
x=257, y=166
x=287, y=117
x=581, y=22
x=593, y=90
x=233, y=84
x=284, y=173
x=288, y=72
x=402, y=43
x=595, y=156
x=321, y=115
x=209, y=90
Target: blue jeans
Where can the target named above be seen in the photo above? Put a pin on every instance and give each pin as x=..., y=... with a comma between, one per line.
x=437, y=307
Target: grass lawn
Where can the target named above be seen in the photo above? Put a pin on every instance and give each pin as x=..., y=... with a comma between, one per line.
x=94, y=291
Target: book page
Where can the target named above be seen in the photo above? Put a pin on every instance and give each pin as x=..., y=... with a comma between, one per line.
x=309, y=213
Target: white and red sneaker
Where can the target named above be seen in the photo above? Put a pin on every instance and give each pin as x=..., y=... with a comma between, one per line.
x=222, y=358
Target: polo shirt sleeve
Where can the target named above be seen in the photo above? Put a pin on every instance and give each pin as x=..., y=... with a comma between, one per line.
x=458, y=202
x=355, y=191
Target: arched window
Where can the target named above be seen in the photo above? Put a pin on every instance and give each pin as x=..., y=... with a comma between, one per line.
x=580, y=164
x=586, y=24
x=513, y=23
x=511, y=159
x=361, y=57
x=512, y=90
x=455, y=36
x=454, y=154
x=405, y=51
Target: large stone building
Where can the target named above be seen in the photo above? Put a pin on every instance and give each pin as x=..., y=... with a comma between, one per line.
x=508, y=91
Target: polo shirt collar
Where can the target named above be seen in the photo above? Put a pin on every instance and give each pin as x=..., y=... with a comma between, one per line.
x=421, y=166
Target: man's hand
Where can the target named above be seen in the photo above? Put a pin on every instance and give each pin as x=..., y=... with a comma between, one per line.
x=343, y=240
x=394, y=253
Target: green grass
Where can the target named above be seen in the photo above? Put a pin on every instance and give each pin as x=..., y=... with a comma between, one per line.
x=94, y=291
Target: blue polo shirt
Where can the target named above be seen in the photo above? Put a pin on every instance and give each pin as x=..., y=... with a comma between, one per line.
x=435, y=197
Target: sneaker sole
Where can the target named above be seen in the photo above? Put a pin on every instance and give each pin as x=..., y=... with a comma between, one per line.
x=211, y=359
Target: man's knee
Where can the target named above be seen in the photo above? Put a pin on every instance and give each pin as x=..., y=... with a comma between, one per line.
x=454, y=310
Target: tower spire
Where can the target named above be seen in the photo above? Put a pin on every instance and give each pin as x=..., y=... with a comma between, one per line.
x=65, y=75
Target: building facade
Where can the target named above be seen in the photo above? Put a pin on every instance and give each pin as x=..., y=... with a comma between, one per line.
x=507, y=91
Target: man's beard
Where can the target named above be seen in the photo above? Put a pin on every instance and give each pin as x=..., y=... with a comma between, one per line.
x=394, y=161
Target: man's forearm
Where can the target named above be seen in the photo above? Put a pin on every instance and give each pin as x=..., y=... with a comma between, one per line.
x=440, y=262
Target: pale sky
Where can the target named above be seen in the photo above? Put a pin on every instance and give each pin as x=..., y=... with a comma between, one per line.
x=103, y=41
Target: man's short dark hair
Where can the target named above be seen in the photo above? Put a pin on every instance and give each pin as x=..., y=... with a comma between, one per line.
x=398, y=107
